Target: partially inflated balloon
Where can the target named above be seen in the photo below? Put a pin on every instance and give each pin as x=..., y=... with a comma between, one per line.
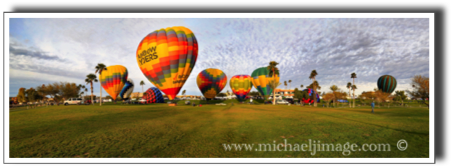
x=387, y=83
x=261, y=79
x=211, y=81
x=127, y=90
x=166, y=57
x=241, y=85
x=310, y=93
x=153, y=95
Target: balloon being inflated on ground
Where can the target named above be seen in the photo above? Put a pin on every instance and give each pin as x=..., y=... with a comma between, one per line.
x=241, y=85
x=113, y=79
x=387, y=83
x=153, y=95
x=211, y=81
x=127, y=90
x=310, y=93
x=166, y=57
x=261, y=79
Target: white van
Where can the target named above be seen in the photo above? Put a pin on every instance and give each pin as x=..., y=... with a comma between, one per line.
x=77, y=101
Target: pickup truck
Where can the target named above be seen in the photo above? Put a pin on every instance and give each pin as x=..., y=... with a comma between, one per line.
x=69, y=101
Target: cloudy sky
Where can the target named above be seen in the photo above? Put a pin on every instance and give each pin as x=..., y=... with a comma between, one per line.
x=43, y=51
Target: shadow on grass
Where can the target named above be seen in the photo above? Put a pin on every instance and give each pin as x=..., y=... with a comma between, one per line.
x=418, y=133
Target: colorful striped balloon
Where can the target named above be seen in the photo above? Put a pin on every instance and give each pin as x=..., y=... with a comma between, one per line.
x=387, y=83
x=241, y=85
x=153, y=95
x=113, y=79
x=211, y=81
x=261, y=80
x=166, y=57
x=127, y=90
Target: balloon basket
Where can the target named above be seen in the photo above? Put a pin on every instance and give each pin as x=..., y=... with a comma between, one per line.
x=172, y=104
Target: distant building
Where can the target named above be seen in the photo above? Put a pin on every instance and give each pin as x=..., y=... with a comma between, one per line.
x=284, y=92
x=135, y=95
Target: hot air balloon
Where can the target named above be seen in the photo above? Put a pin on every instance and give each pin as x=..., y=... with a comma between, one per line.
x=153, y=95
x=241, y=85
x=127, y=90
x=211, y=81
x=166, y=57
x=310, y=94
x=261, y=79
x=113, y=79
x=387, y=83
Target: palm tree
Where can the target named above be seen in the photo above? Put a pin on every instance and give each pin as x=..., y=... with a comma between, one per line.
x=349, y=86
x=301, y=86
x=334, y=88
x=354, y=87
x=353, y=76
x=91, y=78
x=272, y=71
x=313, y=77
x=85, y=90
x=100, y=68
x=290, y=81
x=285, y=84
x=142, y=83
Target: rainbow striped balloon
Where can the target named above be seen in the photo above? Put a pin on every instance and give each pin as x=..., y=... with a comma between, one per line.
x=166, y=57
x=241, y=85
x=261, y=80
x=113, y=79
x=211, y=81
x=387, y=83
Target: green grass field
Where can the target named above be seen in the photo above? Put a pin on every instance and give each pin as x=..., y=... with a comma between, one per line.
x=157, y=130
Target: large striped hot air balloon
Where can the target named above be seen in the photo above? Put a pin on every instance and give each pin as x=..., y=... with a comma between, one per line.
x=241, y=85
x=261, y=79
x=387, y=83
x=153, y=95
x=166, y=57
x=310, y=94
x=127, y=90
x=113, y=79
x=211, y=81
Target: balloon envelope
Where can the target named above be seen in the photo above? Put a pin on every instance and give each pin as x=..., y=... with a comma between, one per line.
x=310, y=94
x=127, y=90
x=113, y=79
x=387, y=83
x=153, y=95
x=211, y=81
x=241, y=85
x=261, y=79
x=166, y=57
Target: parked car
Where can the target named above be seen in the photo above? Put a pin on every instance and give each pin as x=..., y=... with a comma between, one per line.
x=69, y=101
x=291, y=101
x=87, y=102
x=281, y=102
x=268, y=102
x=142, y=101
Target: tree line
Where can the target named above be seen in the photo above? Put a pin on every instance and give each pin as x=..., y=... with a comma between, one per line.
x=57, y=90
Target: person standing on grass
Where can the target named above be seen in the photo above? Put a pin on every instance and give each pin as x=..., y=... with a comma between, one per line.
x=372, y=107
x=251, y=100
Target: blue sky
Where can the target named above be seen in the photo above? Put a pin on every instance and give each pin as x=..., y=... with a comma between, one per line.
x=44, y=51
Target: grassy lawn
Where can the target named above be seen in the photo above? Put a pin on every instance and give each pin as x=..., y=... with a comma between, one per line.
x=157, y=130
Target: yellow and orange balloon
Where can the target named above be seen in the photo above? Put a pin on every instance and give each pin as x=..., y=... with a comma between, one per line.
x=113, y=79
x=166, y=57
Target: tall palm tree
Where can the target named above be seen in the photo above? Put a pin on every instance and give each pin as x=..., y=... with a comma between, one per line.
x=273, y=70
x=349, y=86
x=301, y=86
x=313, y=77
x=100, y=68
x=285, y=84
x=334, y=88
x=91, y=78
x=82, y=90
x=85, y=90
x=142, y=83
x=290, y=81
x=354, y=87
x=353, y=76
